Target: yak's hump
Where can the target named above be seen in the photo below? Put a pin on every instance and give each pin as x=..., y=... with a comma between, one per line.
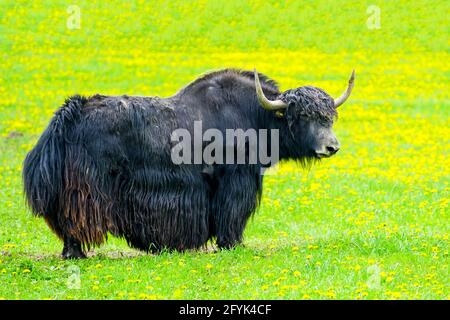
x=233, y=75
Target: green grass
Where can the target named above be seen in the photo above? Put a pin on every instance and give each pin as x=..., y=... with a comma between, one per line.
x=370, y=223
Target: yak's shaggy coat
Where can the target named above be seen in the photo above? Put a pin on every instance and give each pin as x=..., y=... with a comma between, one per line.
x=104, y=164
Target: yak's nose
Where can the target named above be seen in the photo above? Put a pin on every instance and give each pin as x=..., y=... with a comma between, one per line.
x=332, y=149
x=329, y=150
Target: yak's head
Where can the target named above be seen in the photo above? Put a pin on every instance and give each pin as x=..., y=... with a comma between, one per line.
x=309, y=113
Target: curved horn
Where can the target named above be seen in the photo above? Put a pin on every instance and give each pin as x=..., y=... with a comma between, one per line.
x=266, y=103
x=346, y=94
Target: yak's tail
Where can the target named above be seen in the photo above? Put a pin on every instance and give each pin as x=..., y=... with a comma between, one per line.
x=43, y=169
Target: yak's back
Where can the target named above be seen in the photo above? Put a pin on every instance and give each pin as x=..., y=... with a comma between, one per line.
x=136, y=130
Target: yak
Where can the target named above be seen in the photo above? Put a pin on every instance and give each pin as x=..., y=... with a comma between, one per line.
x=104, y=163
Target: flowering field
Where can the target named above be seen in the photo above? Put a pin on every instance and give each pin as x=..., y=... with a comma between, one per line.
x=370, y=223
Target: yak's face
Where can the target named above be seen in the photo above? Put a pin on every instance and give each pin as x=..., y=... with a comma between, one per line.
x=310, y=115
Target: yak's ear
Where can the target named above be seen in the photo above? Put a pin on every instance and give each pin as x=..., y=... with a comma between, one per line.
x=279, y=114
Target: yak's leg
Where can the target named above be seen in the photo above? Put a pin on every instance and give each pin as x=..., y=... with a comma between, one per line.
x=235, y=200
x=72, y=249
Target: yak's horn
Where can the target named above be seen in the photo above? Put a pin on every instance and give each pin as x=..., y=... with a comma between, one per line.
x=266, y=103
x=346, y=94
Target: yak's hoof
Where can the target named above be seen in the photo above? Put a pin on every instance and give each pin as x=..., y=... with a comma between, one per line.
x=227, y=245
x=73, y=255
x=72, y=249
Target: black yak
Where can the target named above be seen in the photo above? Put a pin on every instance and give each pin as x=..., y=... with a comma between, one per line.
x=104, y=163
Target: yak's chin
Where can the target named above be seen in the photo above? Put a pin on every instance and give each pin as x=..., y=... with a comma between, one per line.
x=306, y=162
x=322, y=155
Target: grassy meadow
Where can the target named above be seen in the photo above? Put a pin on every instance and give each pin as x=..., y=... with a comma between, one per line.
x=371, y=222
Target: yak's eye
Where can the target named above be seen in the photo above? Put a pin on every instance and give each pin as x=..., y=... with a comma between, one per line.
x=327, y=123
